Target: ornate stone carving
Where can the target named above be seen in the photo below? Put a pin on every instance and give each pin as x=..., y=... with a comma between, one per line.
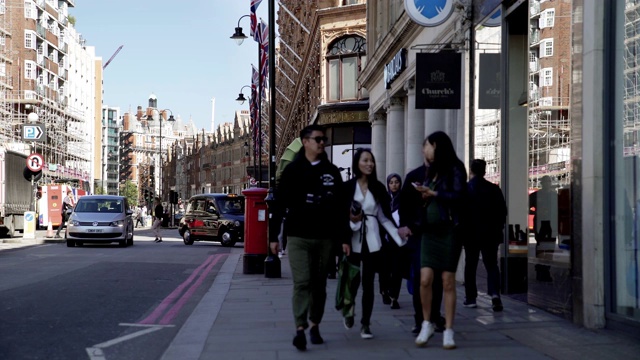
x=377, y=119
x=410, y=85
x=393, y=102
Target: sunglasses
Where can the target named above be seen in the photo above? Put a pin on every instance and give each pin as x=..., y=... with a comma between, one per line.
x=319, y=139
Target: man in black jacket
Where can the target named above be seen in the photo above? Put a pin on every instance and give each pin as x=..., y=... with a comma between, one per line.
x=310, y=190
x=486, y=215
x=410, y=212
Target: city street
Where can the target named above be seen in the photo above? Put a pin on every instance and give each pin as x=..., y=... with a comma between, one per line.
x=101, y=301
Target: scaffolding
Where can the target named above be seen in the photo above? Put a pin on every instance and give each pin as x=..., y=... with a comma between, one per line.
x=548, y=97
x=66, y=146
x=631, y=112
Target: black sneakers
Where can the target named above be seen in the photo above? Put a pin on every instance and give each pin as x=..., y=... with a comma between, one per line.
x=470, y=303
x=314, y=335
x=348, y=322
x=158, y=240
x=300, y=340
x=394, y=304
x=385, y=298
x=365, y=332
x=496, y=304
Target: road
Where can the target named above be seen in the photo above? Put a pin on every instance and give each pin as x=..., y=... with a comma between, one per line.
x=101, y=301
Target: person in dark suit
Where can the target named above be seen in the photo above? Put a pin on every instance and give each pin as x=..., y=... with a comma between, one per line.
x=487, y=212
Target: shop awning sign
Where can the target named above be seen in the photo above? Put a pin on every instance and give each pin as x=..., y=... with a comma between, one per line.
x=429, y=12
x=438, y=80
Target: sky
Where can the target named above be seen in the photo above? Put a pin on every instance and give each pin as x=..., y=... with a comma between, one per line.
x=178, y=50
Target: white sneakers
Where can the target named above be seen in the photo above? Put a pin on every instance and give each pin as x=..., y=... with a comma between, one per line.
x=447, y=340
x=426, y=332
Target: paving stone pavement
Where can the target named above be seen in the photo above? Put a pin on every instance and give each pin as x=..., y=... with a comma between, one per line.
x=255, y=321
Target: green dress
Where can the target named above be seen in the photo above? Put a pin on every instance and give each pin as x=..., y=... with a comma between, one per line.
x=439, y=250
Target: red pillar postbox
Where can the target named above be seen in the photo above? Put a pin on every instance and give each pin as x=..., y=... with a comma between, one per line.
x=256, y=219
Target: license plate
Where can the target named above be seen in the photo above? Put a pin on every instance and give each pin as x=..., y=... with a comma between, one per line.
x=94, y=230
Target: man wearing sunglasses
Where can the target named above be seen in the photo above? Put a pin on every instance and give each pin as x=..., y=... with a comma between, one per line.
x=310, y=190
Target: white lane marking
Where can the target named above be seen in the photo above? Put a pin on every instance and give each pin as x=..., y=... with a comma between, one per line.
x=95, y=352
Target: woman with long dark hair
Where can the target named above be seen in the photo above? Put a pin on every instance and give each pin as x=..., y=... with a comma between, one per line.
x=373, y=201
x=443, y=195
x=392, y=268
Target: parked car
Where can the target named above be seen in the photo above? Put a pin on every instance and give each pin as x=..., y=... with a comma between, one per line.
x=100, y=219
x=213, y=217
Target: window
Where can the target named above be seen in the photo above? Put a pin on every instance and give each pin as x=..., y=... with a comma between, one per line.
x=3, y=69
x=547, y=18
x=30, y=10
x=345, y=58
x=29, y=70
x=546, y=48
x=547, y=77
x=29, y=39
x=2, y=6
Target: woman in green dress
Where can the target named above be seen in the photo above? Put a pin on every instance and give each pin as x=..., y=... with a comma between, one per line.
x=443, y=195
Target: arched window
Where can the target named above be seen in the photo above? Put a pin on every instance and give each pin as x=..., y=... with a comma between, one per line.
x=345, y=58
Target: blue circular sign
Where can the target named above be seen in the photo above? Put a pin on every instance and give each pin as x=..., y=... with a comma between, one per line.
x=28, y=217
x=429, y=12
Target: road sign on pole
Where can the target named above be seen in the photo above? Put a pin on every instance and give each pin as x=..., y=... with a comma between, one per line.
x=33, y=132
x=35, y=162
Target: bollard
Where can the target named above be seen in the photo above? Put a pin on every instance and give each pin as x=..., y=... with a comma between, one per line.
x=49, y=230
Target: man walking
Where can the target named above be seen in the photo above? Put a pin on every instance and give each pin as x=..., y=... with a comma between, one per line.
x=158, y=213
x=139, y=217
x=67, y=203
x=487, y=213
x=311, y=191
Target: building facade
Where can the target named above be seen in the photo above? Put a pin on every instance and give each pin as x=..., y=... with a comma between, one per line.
x=323, y=50
x=35, y=66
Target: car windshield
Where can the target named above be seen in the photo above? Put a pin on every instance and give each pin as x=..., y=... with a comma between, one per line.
x=99, y=205
x=231, y=205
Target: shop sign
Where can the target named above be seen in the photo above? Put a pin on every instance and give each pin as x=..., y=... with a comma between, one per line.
x=395, y=67
x=429, y=12
x=489, y=87
x=438, y=80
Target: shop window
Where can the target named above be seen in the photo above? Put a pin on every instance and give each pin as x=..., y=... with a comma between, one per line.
x=345, y=59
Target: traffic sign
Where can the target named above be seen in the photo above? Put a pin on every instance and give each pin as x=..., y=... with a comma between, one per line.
x=35, y=162
x=33, y=132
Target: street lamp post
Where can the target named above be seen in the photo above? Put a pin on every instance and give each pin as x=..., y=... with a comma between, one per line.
x=33, y=118
x=239, y=37
x=272, y=264
x=241, y=99
x=155, y=114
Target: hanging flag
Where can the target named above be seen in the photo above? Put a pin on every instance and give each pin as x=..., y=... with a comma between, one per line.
x=255, y=109
x=254, y=18
x=264, y=55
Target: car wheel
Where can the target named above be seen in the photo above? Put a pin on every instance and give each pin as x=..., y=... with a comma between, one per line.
x=227, y=239
x=122, y=243
x=130, y=241
x=186, y=237
x=71, y=243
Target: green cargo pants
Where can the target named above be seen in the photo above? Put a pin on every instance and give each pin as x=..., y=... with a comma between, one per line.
x=309, y=260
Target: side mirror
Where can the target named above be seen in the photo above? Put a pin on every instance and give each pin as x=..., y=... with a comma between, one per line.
x=129, y=212
x=211, y=210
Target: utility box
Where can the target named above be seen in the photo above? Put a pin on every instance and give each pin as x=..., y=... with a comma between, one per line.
x=256, y=219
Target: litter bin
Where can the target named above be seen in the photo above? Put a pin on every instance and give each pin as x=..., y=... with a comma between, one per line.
x=255, y=231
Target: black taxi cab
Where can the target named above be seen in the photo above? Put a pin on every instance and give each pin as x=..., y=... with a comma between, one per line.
x=213, y=217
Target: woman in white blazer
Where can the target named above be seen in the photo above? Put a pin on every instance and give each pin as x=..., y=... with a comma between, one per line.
x=372, y=196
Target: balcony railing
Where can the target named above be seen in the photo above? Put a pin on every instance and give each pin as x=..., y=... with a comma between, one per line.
x=41, y=31
x=534, y=8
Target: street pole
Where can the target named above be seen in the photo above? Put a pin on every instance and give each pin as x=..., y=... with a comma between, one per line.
x=272, y=263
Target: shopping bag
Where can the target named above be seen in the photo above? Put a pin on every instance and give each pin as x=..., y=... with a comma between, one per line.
x=348, y=275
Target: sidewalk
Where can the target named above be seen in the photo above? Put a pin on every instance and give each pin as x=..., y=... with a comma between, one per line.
x=249, y=317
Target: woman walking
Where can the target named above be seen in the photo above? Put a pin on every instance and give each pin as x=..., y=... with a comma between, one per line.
x=158, y=212
x=392, y=267
x=370, y=196
x=442, y=193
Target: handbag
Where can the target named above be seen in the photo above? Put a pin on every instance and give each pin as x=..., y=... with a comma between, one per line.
x=348, y=274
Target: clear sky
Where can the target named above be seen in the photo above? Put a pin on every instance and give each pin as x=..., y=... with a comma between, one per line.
x=178, y=50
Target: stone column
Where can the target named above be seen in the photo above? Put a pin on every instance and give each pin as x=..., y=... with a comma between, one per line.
x=395, y=138
x=379, y=142
x=435, y=120
x=413, y=131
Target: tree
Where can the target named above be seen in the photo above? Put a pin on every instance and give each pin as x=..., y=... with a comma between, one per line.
x=130, y=191
x=72, y=20
x=100, y=190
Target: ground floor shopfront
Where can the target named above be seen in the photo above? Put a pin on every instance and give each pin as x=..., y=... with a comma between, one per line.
x=573, y=188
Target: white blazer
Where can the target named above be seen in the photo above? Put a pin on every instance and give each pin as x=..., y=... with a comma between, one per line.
x=374, y=216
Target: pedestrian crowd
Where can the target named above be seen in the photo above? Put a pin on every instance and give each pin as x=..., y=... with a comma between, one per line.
x=413, y=229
